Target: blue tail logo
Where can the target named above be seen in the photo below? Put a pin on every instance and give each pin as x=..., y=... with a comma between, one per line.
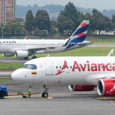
x=79, y=35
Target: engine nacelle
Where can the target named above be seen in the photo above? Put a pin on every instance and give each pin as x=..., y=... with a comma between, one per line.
x=8, y=54
x=81, y=87
x=106, y=87
x=21, y=54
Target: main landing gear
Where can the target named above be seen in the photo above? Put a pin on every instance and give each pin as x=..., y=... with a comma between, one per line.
x=45, y=92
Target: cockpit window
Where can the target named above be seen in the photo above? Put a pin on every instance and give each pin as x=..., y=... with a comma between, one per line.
x=29, y=66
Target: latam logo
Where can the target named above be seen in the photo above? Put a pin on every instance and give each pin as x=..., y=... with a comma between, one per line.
x=88, y=67
x=7, y=42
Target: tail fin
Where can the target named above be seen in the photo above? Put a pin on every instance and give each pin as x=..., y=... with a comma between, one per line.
x=79, y=35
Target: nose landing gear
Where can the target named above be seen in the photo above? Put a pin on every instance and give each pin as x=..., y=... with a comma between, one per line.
x=45, y=92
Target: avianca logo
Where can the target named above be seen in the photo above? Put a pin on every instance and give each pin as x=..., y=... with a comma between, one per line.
x=64, y=67
x=88, y=67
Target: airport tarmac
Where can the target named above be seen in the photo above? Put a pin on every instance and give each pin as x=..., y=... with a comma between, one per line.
x=63, y=102
x=101, y=45
x=9, y=60
x=5, y=74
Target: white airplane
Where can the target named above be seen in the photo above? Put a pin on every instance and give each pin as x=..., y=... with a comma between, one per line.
x=24, y=48
x=79, y=73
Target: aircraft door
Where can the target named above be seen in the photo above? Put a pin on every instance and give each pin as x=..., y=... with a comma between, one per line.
x=49, y=67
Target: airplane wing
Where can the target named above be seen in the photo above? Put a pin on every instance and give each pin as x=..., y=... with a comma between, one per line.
x=94, y=78
x=35, y=50
x=22, y=53
x=40, y=50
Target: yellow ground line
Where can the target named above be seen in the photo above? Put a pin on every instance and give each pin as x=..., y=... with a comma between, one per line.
x=13, y=97
x=106, y=98
x=104, y=47
x=50, y=97
x=112, y=102
x=5, y=77
x=34, y=93
x=47, y=98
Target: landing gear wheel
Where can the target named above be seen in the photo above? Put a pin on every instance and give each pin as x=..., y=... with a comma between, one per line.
x=44, y=94
x=33, y=57
x=45, y=91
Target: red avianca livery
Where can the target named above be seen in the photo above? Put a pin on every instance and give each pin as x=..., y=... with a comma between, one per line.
x=80, y=73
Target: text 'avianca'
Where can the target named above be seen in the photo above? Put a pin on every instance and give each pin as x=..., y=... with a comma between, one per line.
x=90, y=66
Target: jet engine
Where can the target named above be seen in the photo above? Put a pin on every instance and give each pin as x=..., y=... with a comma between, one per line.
x=106, y=87
x=21, y=54
x=8, y=54
x=81, y=87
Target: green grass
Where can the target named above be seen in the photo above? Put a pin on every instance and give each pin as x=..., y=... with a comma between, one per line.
x=102, y=40
x=6, y=80
x=10, y=66
x=86, y=51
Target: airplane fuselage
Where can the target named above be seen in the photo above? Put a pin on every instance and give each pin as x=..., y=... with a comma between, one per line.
x=67, y=70
x=11, y=45
x=25, y=48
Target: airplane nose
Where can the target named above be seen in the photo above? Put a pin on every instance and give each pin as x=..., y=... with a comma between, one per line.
x=17, y=75
x=14, y=75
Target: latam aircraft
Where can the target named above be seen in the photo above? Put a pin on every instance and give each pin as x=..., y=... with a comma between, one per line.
x=79, y=73
x=24, y=48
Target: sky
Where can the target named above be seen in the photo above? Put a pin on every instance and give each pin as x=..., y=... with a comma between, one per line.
x=98, y=4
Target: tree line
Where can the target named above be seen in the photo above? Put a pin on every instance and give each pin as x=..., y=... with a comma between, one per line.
x=67, y=21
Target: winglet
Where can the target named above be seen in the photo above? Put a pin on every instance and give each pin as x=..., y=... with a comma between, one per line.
x=111, y=52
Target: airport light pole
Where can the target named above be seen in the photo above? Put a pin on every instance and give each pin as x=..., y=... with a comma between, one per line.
x=2, y=32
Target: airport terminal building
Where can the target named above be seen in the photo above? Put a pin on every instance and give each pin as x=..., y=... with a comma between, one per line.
x=7, y=11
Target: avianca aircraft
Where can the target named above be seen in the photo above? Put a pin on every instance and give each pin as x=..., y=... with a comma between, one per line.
x=24, y=48
x=80, y=73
